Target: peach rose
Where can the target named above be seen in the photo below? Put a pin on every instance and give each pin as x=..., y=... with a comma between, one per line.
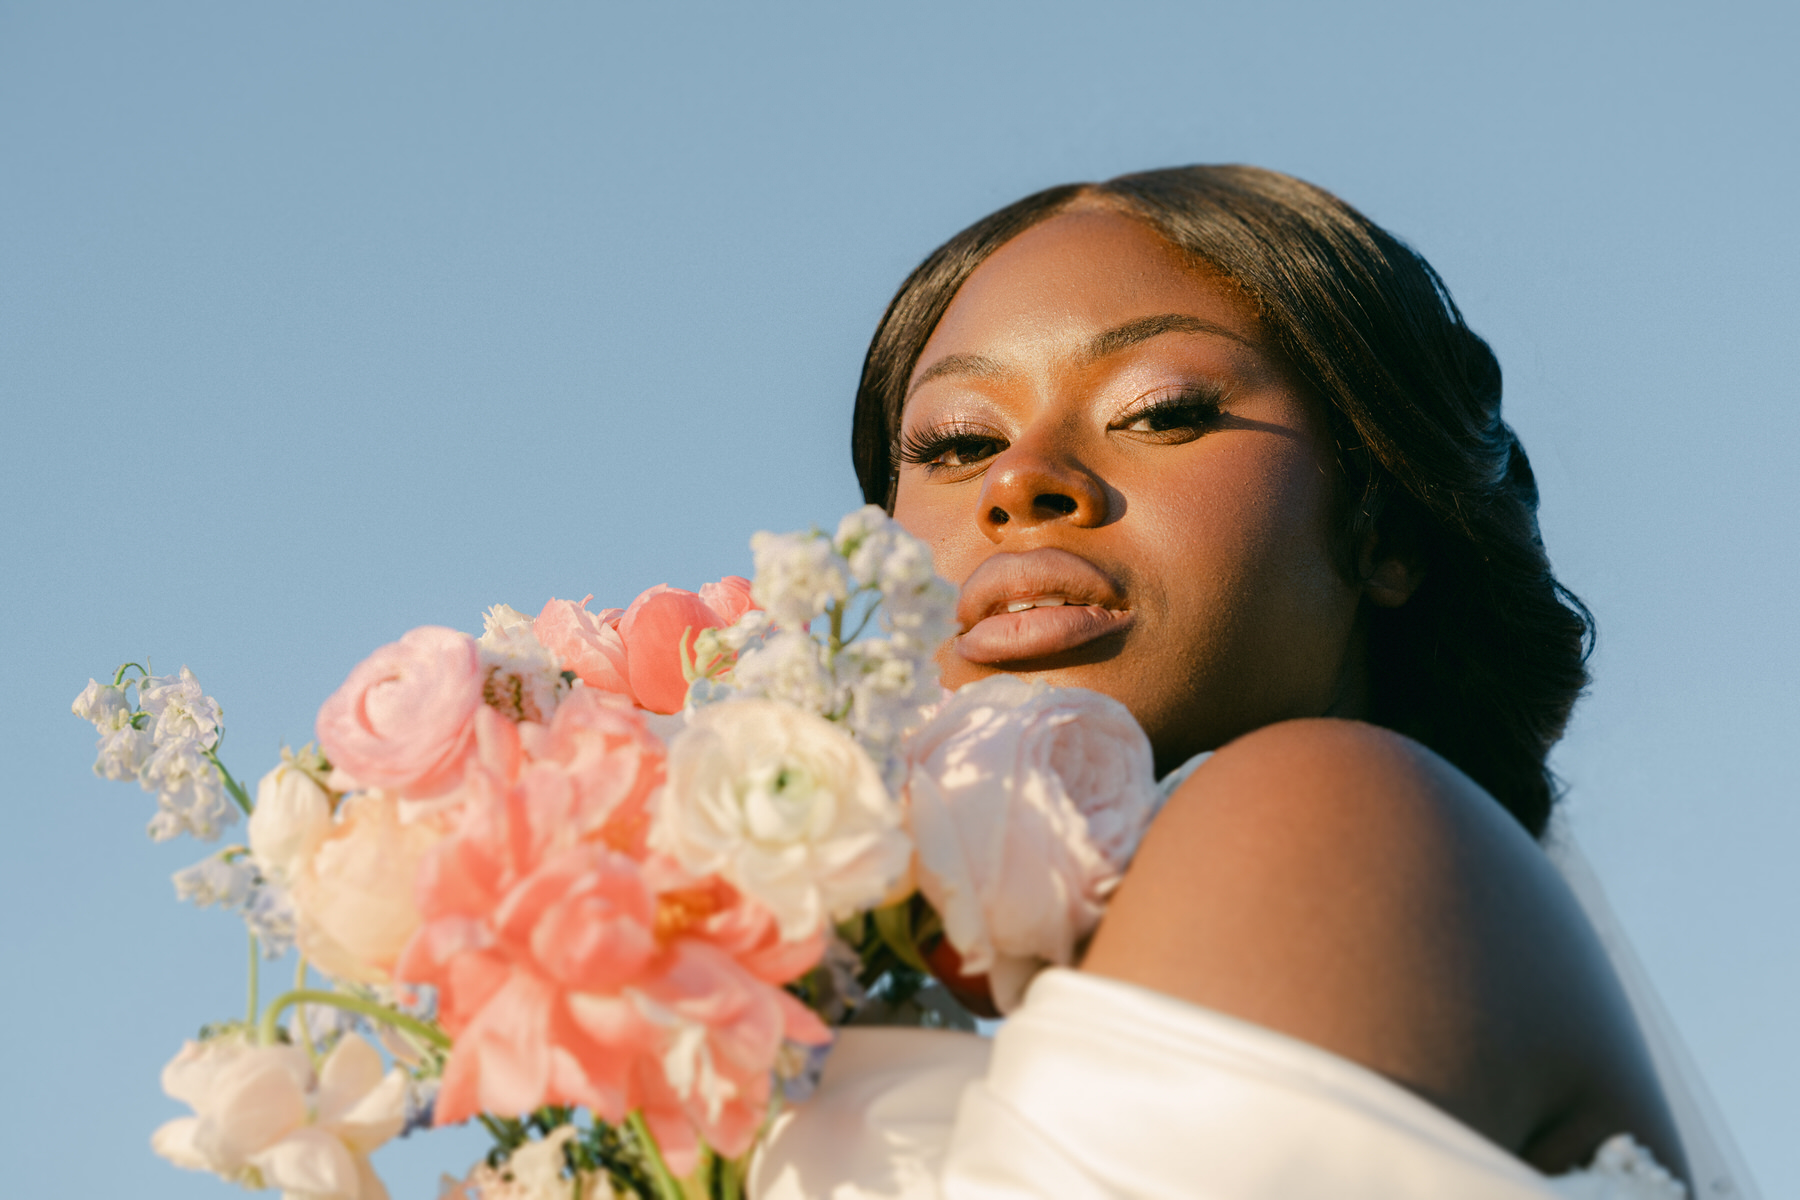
x=636, y=651
x=353, y=897
x=403, y=720
x=1026, y=804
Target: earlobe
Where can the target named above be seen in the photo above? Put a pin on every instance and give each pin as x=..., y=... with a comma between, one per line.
x=1393, y=582
x=1388, y=578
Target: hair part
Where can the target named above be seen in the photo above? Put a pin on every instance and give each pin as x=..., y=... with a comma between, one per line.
x=1486, y=659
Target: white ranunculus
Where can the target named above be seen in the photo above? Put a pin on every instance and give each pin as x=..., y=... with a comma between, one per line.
x=262, y=1118
x=292, y=816
x=1027, y=803
x=786, y=807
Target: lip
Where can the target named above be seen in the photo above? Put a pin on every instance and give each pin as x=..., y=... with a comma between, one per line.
x=1091, y=606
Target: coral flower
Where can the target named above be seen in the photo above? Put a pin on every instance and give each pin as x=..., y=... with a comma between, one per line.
x=570, y=972
x=636, y=651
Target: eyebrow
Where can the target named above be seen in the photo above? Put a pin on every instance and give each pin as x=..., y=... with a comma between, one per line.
x=1120, y=337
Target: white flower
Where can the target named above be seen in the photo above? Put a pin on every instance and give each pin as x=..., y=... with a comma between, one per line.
x=521, y=677
x=1027, y=803
x=122, y=752
x=263, y=1119
x=182, y=712
x=190, y=795
x=788, y=667
x=123, y=747
x=223, y=879
x=798, y=576
x=786, y=807
x=532, y=1172
x=231, y=879
x=292, y=816
x=104, y=704
x=503, y=624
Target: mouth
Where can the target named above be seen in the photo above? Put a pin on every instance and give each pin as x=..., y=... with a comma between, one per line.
x=1016, y=607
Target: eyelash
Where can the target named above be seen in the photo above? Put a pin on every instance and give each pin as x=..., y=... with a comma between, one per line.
x=1199, y=405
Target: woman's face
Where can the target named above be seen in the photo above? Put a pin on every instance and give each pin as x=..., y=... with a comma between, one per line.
x=1133, y=494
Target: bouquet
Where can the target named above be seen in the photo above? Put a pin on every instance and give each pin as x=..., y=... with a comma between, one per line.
x=605, y=881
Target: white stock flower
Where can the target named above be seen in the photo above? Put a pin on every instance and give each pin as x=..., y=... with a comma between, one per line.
x=1027, y=803
x=521, y=677
x=123, y=748
x=262, y=1118
x=231, y=879
x=798, y=576
x=181, y=711
x=292, y=816
x=786, y=808
x=224, y=879
x=104, y=704
x=787, y=667
x=190, y=795
x=122, y=752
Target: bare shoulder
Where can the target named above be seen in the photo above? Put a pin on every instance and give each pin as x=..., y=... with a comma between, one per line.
x=1344, y=885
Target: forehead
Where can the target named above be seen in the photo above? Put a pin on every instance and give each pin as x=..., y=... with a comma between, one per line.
x=1050, y=289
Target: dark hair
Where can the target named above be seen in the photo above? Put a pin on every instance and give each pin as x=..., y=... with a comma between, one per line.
x=1485, y=660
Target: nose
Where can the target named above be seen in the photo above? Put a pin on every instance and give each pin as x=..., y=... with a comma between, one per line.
x=1032, y=483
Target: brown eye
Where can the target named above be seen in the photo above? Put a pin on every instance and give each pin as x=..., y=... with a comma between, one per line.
x=949, y=448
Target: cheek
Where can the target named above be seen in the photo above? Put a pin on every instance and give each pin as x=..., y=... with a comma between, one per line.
x=943, y=519
x=1252, y=524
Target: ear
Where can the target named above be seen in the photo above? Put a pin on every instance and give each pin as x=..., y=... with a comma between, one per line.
x=1390, y=573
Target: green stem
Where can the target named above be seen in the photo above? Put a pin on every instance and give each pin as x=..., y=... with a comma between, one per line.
x=667, y=1186
x=305, y=1031
x=731, y=1183
x=255, y=965
x=356, y=1004
x=119, y=675
x=231, y=785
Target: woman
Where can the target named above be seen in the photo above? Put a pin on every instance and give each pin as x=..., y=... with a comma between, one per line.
x=1209, y=441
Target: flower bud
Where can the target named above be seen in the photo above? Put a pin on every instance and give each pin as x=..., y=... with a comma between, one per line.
x=293, y=815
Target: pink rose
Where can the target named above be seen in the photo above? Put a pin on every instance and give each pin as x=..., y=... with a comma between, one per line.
x=403, y=720
x=1026, y=804
x=636, y=651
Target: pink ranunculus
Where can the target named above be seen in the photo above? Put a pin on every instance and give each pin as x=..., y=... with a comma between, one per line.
x=404, y=719
x=1026, y=804
x=637, y=652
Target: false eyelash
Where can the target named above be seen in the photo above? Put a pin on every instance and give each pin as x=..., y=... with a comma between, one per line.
x=1203, y=400
x=919, y=447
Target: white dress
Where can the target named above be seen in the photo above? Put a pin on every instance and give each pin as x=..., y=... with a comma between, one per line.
x=1098, y=1089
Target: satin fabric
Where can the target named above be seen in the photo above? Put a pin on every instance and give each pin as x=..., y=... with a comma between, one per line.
x=1096, y=1088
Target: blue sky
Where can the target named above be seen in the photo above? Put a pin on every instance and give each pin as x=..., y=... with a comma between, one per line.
x=321, y=322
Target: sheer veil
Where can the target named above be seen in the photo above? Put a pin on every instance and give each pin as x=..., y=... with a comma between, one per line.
x=1719, y=1170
